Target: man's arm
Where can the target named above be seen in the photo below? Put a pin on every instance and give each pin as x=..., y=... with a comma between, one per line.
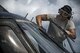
x=71, y=33
x=41, y=18
x=71, y=30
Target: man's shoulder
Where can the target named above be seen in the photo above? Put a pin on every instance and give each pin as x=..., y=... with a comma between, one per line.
x=70, y=22
x=52, y=15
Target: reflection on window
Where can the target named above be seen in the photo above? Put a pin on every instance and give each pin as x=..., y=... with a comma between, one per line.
x=12, y=40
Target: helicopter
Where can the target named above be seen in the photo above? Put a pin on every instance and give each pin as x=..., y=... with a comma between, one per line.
x=20, y=35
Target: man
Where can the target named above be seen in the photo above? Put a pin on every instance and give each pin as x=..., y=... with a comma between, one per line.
x=63, y=19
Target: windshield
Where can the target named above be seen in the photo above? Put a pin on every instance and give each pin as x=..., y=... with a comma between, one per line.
x=40, y=39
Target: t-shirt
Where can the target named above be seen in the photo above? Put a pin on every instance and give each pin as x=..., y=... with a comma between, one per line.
x=54, y=31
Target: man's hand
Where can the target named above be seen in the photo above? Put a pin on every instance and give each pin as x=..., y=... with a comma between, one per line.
x=41, y=28
x=71, y=33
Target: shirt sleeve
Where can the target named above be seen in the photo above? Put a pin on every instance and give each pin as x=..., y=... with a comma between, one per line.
x=71, y=25
x=52, y=16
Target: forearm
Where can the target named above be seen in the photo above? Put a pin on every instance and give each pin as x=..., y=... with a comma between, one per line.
x=39, y=20
x=71, y=34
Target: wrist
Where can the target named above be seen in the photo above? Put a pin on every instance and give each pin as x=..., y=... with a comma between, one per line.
x=68, y=32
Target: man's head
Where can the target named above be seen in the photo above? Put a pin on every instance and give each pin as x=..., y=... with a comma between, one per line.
x=66, y=11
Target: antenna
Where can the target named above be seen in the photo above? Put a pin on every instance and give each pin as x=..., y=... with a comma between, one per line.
x=32, y=19
x=26, y=16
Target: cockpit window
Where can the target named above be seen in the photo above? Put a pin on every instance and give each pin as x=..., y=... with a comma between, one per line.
x=44, y=43
x=9, y=41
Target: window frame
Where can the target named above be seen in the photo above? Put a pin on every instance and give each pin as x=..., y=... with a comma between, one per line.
x=11, y=23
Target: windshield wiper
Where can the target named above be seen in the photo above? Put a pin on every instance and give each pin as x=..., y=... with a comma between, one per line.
x=65, y=36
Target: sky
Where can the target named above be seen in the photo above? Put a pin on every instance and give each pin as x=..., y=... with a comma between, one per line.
x=36, y=7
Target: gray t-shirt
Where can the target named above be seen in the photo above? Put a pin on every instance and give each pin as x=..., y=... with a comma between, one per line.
x=54, y=31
